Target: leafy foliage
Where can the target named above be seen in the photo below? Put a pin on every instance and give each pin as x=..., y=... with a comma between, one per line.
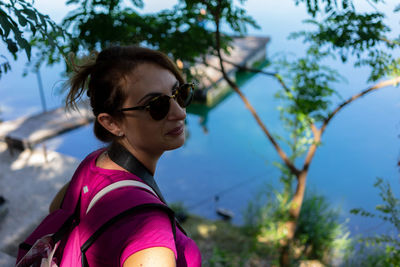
x=362, y=35
x=307, y=97
x=314, y=6
x=309, y=88
x=182, y=31
x=318, y=6
x=20, y=21
x=4, y=66
x=389, y=212
x=319, y=233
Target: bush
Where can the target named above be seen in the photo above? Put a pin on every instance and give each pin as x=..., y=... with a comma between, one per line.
x=386, y=247
x=319, y=235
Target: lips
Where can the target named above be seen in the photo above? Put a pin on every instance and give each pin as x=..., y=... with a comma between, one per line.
x=176, y=131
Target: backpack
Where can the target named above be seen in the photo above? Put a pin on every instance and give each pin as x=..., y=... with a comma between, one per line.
x=62, y=240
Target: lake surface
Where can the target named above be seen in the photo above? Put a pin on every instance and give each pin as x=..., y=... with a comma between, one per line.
x=233, y=159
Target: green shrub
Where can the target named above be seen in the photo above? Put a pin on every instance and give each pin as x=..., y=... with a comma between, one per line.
x=368, y=256
x=319, y=233
x=386, y=247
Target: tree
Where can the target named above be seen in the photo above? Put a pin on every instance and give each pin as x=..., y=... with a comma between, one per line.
x=19, y=22
x=341, y=30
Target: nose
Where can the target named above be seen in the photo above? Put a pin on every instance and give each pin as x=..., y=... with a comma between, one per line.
x=176, y=112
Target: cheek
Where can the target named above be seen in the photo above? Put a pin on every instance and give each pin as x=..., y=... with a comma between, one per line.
x=144, y=133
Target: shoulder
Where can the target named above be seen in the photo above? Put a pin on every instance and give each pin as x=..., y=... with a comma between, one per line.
x=155, y=256
x=150, y=240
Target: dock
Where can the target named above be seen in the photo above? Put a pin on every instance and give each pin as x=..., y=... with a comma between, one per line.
x=245, y=51
x=26, y=132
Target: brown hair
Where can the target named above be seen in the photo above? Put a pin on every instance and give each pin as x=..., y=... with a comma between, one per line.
x=105, y=79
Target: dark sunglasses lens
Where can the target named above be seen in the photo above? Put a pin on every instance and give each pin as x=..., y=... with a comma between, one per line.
x=159, y=107
x=185, y=94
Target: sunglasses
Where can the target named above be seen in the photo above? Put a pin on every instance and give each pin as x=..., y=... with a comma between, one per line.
x=158, y=107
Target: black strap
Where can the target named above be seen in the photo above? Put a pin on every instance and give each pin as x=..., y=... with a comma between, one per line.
x=121, y=156
x=24, y=246
x=113, y=220
x=70, y=223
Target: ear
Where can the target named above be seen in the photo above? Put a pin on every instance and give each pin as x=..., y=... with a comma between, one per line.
x=110, y=124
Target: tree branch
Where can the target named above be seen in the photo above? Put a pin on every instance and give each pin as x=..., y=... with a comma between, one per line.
x=313, y=148
x=389, y=42
x=274, y=74
x=391, y=82
x=245, y=68
x=281, y=153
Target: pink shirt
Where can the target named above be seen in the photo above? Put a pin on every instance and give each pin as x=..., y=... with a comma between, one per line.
x=145, y=229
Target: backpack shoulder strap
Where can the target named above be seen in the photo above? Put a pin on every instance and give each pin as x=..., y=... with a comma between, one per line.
x=125, y=183
x=117, y=185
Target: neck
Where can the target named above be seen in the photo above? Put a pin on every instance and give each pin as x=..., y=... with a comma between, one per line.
x=129, y=162
x=149, y=160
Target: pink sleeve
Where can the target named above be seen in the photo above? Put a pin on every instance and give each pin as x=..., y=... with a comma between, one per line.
x=145, y=230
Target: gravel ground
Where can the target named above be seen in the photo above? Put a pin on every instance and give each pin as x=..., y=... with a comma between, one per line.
x=28, y=183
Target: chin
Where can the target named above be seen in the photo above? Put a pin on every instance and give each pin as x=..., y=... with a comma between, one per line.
x=177, y=143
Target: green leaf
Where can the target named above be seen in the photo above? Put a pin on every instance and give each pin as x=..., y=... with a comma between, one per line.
x=30, y=14
x=32, y=27
x=138, y=3
x=6, y=25
x=21, y=19
x=12, y=46
x=43, y=23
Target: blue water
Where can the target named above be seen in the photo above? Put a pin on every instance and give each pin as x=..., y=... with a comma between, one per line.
x=360, y=144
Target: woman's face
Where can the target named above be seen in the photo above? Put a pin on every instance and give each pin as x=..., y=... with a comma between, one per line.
x=142, y=133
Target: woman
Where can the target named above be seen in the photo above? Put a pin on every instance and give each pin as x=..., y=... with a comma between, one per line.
x=138, y=98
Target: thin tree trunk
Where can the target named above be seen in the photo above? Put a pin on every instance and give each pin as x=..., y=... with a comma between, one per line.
x=294, y=213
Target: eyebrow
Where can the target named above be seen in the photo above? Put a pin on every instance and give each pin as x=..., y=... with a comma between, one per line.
x=155, y=94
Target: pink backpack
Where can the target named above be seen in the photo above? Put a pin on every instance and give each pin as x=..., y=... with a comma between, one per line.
x=62, y=240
